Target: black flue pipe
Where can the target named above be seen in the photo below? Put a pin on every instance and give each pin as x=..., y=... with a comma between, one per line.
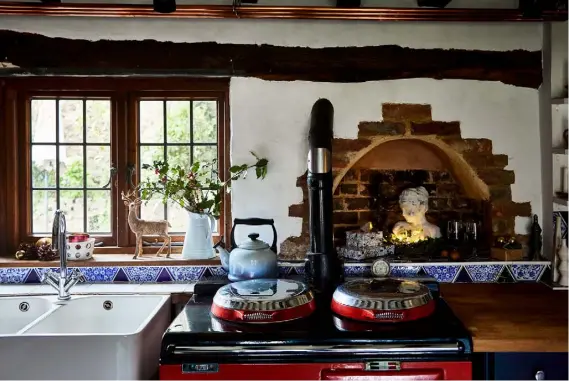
x=323, y=269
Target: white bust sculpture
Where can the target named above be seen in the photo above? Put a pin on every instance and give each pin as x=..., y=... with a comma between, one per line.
x=414, y=203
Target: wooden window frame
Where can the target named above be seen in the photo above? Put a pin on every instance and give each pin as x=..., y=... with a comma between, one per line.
x=124, y=93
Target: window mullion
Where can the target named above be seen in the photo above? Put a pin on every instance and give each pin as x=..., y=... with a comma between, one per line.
x=165, y=111
x=124, y=118
x=57, y=190
x=85, y=217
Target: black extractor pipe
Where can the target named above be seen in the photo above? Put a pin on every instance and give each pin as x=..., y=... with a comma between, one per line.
x=323, y=269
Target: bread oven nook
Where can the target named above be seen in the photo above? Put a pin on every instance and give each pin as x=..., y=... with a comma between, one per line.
x=463, y=179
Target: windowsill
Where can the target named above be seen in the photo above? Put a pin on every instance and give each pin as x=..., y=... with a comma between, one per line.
x=111, y=260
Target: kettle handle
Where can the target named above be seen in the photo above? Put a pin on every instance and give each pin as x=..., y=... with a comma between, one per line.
x=254, y=222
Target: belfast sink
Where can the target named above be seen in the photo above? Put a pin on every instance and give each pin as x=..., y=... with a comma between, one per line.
x=17, y=312
x=90, y=337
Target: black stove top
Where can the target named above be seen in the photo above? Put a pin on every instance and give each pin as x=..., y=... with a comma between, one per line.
x=197, y=336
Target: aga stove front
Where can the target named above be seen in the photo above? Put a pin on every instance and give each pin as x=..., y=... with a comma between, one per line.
x=321, y=346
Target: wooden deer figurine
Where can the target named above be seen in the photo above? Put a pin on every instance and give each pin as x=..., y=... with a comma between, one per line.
x=144, y=228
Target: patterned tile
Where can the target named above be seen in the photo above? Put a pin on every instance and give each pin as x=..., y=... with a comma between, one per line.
x=164, y=276
x=121, y=276
x=505, y=276
x=33, y=277
x=357, y=271
x=490, y=272
x=484, y=273
x=404, y=271
x=443, y=274
x=99, y=274
x=43, y=270
x=186, y=273
x=215, y=273
x=546, y=276
x=526, y=272
x=463, y=277
x=142, y=274
x=422, y=272
x=14, y=275
x=299, y=270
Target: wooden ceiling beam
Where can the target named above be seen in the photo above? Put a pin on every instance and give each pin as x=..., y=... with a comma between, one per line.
x=19, y=53
x=348, y=3
x=270, y=12
x=433, y=3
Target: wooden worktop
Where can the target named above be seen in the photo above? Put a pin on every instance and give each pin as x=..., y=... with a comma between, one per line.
x=511, y=317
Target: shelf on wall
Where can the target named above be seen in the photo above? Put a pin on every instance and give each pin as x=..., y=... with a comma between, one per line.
x=560, y=151
x=558, y=101
x=560, y=201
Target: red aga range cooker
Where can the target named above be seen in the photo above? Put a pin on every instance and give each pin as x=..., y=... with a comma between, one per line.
x=281, y=329
x=268, y=329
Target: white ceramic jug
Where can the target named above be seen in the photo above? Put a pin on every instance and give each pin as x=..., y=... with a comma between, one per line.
x=198, y=243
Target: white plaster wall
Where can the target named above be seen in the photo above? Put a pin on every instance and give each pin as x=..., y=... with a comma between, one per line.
x=271, y=118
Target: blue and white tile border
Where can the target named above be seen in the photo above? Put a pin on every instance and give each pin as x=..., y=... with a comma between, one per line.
x=448, y=272
x=466, y=272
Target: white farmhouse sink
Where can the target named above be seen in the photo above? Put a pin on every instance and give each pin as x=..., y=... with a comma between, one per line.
x=18, y=312
x=92, y=337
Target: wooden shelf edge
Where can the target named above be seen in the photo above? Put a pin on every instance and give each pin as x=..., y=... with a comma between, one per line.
x=560, y=151
x=115, y=260
x=554, y=286
x=558, y=101
x=560, y=201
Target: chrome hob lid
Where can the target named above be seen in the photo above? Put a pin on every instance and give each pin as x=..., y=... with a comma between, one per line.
x=263, y=295
x=382, y=294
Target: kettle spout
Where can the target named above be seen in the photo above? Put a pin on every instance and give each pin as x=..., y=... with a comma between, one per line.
x=224, y=256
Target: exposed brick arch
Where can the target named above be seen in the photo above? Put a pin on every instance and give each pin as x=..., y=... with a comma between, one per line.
x=471, y=164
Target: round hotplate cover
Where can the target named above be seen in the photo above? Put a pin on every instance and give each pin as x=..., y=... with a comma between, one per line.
x=386, y=291
x=263, y=300
x=383, y=299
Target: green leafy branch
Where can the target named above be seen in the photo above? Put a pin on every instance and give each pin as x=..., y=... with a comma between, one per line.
x=199, y=188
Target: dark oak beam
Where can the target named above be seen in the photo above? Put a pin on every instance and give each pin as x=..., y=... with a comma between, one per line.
x=433, y=3
x=275, y=12
x=37, y=54
x=348, y=3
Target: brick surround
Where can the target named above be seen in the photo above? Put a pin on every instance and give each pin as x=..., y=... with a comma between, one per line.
x=464, y=177
x=373, y=195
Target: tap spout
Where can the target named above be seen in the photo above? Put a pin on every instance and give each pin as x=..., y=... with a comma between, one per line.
x=58, y=241
x=62, y=282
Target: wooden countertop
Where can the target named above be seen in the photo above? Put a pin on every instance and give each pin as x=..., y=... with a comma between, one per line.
x=511, y=317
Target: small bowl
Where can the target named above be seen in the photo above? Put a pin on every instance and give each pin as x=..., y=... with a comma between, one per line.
x=80, y=251
x=78, y=237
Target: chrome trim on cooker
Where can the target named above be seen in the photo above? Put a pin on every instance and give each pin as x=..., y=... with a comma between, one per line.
x=262, y=305
x=227, y=297
x=319, y=160
x=349, y=294
x=349, y=349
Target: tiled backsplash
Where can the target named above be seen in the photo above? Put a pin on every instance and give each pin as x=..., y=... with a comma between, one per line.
x=452, y=272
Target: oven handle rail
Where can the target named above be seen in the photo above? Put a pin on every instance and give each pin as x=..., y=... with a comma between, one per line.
x=354, y=349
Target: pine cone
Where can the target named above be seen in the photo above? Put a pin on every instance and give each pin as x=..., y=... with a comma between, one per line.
x=45, y=253
x=29, y=251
